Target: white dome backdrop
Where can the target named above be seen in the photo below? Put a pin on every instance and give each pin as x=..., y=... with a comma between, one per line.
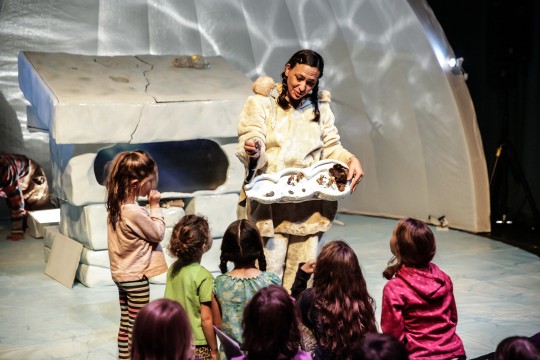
x=398, y=106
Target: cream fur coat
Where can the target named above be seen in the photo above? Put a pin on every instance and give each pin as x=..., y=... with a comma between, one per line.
x=288, y=138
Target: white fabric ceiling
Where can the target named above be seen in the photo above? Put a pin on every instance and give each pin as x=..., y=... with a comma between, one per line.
x=398, y=107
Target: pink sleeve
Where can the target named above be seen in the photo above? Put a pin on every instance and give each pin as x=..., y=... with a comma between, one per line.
x=453, y=307
x=150, y=227
x=391, y=313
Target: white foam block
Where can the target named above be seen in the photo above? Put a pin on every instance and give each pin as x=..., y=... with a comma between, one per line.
x=74, y=179
x=86, y=224
x=171, y=215
x=101, y=257
x=219, y=209
x=37, y=220
x=122, y=99
x=96, y=258
x=49, y=234
x=210, y=259
x=73, y=176
x=98, y=273
x=94, y=276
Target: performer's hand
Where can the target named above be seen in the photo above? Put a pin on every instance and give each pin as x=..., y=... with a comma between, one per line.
x=309, y=266
x=355, y=173
x=252, y=148
x=153, y=198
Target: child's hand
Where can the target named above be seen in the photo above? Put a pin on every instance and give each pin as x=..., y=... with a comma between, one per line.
x=252, y=148
x=215, y=354
x=153, y=198
x=15, y=235
x=309, y=266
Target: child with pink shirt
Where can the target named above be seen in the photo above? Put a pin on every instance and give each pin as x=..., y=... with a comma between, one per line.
x=418, y=305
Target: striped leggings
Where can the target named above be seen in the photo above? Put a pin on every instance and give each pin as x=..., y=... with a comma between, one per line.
x=133, y=295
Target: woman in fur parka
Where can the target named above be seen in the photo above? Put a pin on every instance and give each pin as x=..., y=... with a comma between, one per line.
x=285, y=125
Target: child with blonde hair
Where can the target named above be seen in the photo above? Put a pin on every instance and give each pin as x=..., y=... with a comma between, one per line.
x=191, y=284
x=134, y=235
x=242, y=245
x=418, y=304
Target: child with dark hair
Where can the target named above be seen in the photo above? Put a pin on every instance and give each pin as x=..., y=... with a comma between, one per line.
x=270, y=327
x=418, y=305
x=191, y=284
x=339, y=296
x=376, y=346
x=242, y=245
x=517, y=348
x=162, y=331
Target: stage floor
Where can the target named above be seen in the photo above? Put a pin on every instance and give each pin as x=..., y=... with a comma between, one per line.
x=497, y=289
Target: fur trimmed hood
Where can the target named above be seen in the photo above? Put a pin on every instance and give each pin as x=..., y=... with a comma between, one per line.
x=264, y=85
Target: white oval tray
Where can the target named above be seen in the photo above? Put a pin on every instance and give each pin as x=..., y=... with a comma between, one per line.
x=306, y=184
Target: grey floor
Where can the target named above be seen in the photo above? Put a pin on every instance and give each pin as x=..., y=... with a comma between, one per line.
x=497, y=290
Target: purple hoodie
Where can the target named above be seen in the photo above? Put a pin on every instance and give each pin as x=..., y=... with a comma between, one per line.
x=418, y=308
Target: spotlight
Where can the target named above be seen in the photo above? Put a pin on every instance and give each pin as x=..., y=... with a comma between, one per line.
x=455, y=65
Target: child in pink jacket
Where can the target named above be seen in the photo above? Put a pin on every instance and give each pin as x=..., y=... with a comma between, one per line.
x=418, y=305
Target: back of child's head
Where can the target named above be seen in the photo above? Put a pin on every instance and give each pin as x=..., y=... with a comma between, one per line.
x=189, y=240
x=376, y=346
x=162, y=331
x=338, y=267
x=517, y=348
x=341, y=296
x=125, y=167
x=242, y=244
x=271, y=325
x=415, y=246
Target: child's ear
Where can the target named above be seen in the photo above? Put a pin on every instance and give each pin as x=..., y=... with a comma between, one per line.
x=134, y=183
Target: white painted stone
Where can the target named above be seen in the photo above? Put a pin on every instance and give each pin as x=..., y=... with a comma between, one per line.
x=94, y=276
x=235, y=173
x=219, y=209
x=74, y=179
x=95, y=258
x=49, y=233
x=171, y=215
x=210, y=259
x=38, y=220
x=86, y=224
x=129, y=99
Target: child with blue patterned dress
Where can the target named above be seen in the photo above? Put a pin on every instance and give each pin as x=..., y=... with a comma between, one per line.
x=242, y=245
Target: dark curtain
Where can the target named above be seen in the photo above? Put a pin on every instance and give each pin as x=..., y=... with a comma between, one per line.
x=500, y=43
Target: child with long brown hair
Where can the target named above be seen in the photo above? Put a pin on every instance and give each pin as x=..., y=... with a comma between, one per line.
x=133, y=236
x=418, y=304
x=242, y=245
x=338, y=308
x=189, y=283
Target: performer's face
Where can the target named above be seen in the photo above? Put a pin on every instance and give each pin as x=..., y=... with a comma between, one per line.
x=300, y=81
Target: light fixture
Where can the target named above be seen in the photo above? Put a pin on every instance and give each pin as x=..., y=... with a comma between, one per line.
x=456, y=68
